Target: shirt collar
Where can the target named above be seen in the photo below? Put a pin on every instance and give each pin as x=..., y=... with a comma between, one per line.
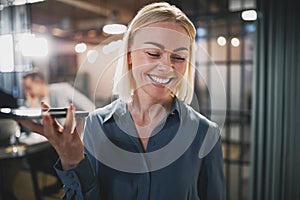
x=119, y=108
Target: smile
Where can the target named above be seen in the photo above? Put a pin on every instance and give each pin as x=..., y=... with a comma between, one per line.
x=159, y=80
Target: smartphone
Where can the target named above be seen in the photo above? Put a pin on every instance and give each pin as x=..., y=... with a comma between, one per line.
x=35, y=113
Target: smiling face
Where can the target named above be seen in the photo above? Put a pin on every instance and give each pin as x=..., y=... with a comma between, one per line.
x=159, y=55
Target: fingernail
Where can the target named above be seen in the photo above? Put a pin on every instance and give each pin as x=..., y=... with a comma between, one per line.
x=71, y=106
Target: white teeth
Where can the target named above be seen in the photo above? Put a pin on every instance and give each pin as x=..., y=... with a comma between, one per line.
x=159, y=80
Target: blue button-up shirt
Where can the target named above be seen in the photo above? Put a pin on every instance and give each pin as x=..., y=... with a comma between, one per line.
x=183, y=158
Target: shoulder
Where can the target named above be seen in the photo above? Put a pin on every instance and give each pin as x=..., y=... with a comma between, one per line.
x=190, y=113
x=207, y=132
x=96, y=120
x=104, y=113
x=60, y=85
x=194, y=122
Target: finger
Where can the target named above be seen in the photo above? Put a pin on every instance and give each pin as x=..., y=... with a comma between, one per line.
x=44, y=105
x=33, y=126
x=68, y=126
x=76, y=133
x=48, y=127
x=57, y=125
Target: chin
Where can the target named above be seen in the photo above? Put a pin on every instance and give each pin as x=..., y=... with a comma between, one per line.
x=160, y=94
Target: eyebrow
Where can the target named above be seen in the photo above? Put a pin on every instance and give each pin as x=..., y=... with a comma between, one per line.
x=163, y=47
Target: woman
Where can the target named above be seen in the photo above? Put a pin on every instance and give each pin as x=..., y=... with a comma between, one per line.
x=147, y=144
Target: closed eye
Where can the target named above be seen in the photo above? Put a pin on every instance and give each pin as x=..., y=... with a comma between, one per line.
x=178, y=58
x=153, y=54
x=157, y=54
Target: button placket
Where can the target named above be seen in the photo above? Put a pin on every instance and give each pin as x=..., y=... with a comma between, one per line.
x=153, y=142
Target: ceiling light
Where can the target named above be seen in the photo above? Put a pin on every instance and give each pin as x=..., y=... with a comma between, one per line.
x=114, y=29
x=235, y=42
x=249, y=15
x=221, y=41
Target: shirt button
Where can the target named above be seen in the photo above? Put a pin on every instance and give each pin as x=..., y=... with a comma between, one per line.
x=70, y=175
x=75, y=184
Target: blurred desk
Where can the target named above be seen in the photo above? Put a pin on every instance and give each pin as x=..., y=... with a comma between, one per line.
x=25, y=152
x=22, y=150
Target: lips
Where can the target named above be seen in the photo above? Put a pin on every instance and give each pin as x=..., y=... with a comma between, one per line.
x=159, y=80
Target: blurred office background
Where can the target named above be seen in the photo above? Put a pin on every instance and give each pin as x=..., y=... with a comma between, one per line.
x=246, y=58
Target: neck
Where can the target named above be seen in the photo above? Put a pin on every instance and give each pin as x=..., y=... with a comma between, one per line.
x=145, y=109
x=147, y=113
x=145, y=104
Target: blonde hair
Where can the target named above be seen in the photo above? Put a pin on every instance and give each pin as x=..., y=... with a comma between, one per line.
x=152, y=13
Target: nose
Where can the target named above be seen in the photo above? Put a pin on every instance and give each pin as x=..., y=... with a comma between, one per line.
x=166, y=62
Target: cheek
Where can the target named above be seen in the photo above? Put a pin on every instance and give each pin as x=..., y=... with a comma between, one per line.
x=35, y=89
x=136, y=65
x=180, y=69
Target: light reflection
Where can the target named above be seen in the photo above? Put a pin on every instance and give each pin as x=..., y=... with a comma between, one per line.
x=112, y=46
x=92, y=56
x=34, y=112
x=22, y=2
x=80, y=47
x=5, y=110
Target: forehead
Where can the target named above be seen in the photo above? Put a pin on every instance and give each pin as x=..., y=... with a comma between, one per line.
x=27, y=79
x=170, y=39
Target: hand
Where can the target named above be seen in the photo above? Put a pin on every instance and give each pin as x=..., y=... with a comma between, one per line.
x=32, y=101
x=64, y=139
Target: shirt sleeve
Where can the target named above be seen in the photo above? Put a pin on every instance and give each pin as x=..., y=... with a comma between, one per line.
x=211, y=180
x=80, y=182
